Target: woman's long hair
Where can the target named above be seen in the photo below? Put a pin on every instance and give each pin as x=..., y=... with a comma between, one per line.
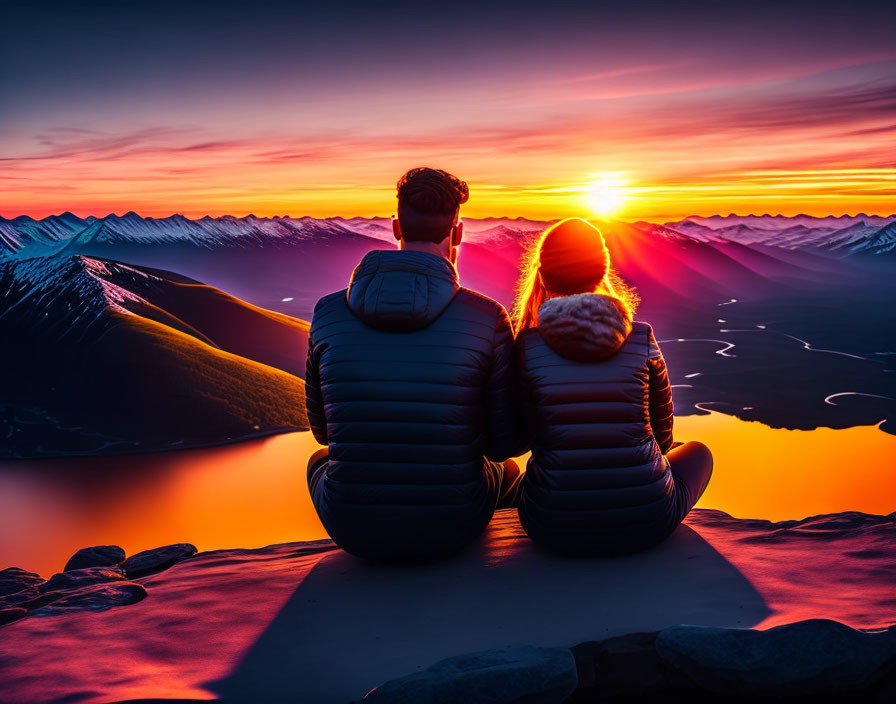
x=569, y=257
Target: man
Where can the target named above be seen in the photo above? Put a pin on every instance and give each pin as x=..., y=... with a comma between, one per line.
x=410, y=382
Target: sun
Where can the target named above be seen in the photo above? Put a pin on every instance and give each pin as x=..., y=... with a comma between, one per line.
x=606, y=196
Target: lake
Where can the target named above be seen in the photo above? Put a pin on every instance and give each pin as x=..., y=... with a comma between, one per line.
x=254, y=493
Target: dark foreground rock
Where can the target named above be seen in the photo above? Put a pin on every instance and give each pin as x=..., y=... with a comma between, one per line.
x=98, y=597
x=513, y=675
x=96, y=556
x=15, y=579
x=816, y=657
x=105, y=581
x=92, y=588
x=816, y=660
x=76, y=579
x=12, y=613
x=625, y=666
x=151, y=561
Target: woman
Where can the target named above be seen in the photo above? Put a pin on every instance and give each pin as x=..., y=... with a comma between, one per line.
x=604, y=478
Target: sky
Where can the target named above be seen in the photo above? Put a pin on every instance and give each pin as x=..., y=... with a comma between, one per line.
x=642, y=110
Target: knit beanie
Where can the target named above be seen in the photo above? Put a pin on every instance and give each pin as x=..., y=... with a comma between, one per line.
x=573, y=257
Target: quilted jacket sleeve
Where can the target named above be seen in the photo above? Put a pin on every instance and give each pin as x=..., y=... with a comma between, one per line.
x=314, y=402
x=660, y=396
x=501, y=407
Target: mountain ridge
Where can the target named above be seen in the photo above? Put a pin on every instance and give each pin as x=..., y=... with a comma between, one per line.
x=101, y=356
x=835, y=236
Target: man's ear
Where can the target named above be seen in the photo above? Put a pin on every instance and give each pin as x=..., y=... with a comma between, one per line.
x=396, y=229
x=457, y=234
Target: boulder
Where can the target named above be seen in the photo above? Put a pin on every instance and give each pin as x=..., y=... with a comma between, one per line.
x=157, y=559
x=807, y=658
x=12, y=613
x=97, y=556
x=89, y=588
x=61, y=585
x=512, y=675
x=15, y=579
x=98, y=597
x=75, y=579
x=623, y=666
x=19, y=597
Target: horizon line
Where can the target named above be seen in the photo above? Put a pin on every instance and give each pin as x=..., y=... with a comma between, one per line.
x=389, y=217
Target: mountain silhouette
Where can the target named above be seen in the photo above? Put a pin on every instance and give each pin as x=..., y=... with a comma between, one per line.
x=103, y=356
x=762, y=331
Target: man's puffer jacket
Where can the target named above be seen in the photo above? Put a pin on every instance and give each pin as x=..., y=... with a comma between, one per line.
x=599, y=413
x=410, y=381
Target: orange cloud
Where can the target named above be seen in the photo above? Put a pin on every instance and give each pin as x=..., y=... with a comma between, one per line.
x=821, y=144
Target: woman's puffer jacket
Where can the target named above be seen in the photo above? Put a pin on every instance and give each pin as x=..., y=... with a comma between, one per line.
x=599, y=411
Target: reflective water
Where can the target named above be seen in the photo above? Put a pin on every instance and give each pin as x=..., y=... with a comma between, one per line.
x=778, y=474
x=255, y=493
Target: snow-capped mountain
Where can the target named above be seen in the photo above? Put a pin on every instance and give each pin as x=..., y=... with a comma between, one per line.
x=499, y=235
x=880, y=242
x=478, y=225
x=68, y=234
x=778, y=222
x=63, y=295
x=101, y=356
x=694, y=230
x=667, y=233
x=380, y=228
x=839, y=236
x=23, y=231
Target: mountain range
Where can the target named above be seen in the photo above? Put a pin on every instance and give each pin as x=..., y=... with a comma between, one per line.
x=100, y=356
x=832, y=235
x=126, y=333
x=836, y=236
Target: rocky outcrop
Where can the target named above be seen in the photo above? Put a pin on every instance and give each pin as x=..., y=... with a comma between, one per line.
x=95, y=579
x=500, y=676
x=12, y=613
x=93, y=588
x=817, y=660
x=808, y=658
x=98, y=597
x=151, y=561
x=622, y=667
x=15, y=579
x=97, y=556
x=77, y=579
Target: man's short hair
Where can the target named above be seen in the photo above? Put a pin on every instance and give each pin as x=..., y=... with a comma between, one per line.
x=428, y=203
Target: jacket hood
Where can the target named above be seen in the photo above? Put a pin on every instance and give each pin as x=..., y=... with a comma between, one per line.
x=401, y=290
x=587, y=327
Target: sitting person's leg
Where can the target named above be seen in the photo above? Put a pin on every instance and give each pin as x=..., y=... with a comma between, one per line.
x=692, y=467
x=317, y=464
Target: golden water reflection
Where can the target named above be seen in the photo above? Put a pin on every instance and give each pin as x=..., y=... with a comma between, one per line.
x=777, y=474
x=255, y=493
x=249, y=494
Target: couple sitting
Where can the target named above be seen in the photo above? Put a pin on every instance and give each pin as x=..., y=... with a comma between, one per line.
x=421, y=393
